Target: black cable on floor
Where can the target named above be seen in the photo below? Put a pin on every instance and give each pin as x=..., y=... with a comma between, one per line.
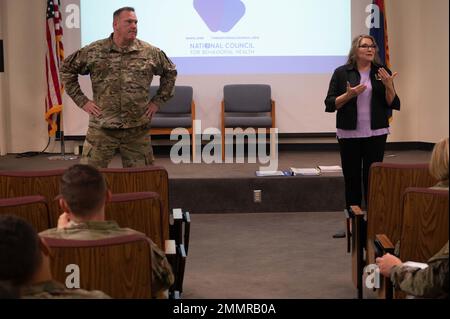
x=48, y=143
x=32, y=154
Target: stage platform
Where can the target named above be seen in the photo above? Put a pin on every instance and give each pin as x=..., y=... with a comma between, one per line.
x=229, y=188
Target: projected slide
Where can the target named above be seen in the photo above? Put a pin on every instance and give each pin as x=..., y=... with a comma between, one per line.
x=235, y=36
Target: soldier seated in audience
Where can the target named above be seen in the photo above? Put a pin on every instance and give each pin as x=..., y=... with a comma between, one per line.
x=432, y=281
x=84, y=195
x=25, y=264
x=439, y=164
x=438, y=168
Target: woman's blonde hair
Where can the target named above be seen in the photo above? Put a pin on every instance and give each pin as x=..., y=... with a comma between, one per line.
x=355, y=45
x=439, y=161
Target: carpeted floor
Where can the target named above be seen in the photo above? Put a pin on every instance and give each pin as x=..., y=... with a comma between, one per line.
x=268, y=256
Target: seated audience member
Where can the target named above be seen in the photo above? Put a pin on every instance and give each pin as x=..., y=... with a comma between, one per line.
x=430, y=282
x=439, y=164
x=438, y=168
x=25, y=264
x=84, y=195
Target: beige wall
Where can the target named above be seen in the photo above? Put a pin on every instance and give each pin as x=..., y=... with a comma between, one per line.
x=25, y=75
x=418, y=37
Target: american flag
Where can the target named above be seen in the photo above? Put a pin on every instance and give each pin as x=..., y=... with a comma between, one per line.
x=380, y=34
x=381, y=37
x=53, y=59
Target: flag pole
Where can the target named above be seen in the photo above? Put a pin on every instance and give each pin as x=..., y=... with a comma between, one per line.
x=63, y=155
x=61, y=133
x=56, y=55
x=63, y=147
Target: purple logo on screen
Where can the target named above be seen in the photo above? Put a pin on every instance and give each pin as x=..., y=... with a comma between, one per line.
x=220, y=15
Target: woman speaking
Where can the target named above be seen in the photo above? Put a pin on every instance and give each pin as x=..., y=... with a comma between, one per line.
x=362, y=92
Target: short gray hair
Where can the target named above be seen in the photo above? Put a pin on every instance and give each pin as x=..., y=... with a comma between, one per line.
x=117, y=13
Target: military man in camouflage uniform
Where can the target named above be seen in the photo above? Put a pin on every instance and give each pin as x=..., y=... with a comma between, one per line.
x=431, y=282
x=121, y=68
x=25, y=265
x=84, y=195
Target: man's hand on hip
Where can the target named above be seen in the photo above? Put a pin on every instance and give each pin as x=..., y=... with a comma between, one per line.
x=92, y=109
x=152, y=108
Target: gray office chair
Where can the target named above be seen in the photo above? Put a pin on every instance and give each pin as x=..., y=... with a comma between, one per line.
x=247, y=105
x=179, y=111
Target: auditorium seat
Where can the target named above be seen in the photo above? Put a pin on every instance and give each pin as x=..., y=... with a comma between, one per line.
x=29, y=183
x=148, y=179
x=118, y=266
x=387, y=182
x=143, y=211
x=142, y=179
x=424, y=227
x=33, y=209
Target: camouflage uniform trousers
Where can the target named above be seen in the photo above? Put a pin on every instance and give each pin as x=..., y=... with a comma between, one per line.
x=133, y=144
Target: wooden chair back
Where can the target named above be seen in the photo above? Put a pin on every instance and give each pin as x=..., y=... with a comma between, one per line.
x=28, y=183
x=425, y=223
x=144, y=179
x=118, y=266
x=141, y=211
x=387, y=182
x=34, y=209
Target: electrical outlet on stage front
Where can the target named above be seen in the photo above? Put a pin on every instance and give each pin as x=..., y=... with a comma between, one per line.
x=257, y=196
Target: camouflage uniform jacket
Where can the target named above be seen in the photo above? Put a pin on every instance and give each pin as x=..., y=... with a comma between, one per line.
x=56, y=290
x=162, y=275
x=121, y=79
x=431, y=282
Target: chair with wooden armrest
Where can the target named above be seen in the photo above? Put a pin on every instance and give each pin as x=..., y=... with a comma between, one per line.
x=141, y=179
x=181, y=228
x=178, y=112
x=387, y=181
x=149, y=179
x=33, y=209
x=382, y=245
x=29, y=183
x=118, y=266
x=355, y=237
x=424, y=226
x=247, y=106
x=180, y=232
x=178, y=263
x=143, y=211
